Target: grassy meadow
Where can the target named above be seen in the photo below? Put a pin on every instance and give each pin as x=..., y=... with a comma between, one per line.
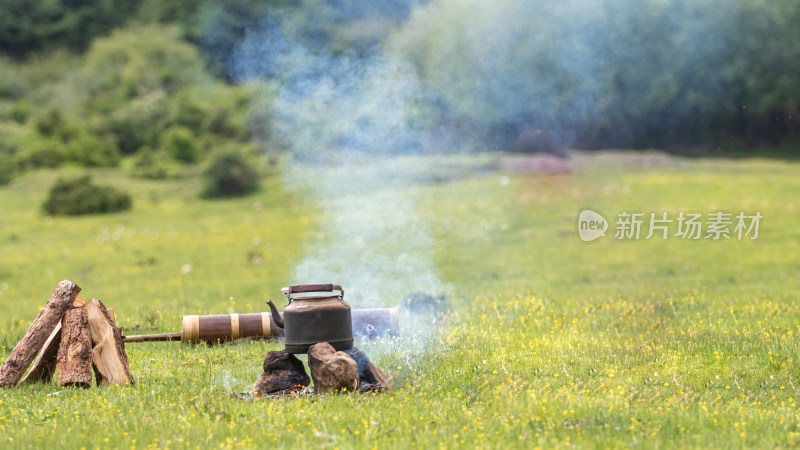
x=547, y=341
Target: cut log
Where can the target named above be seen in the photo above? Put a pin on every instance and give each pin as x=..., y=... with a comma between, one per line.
x=75, y=351
x=44, y=366
x=108, y=352
x=332, y=371
x=42, y=327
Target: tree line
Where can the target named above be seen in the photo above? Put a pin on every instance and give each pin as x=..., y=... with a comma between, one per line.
x=164, y=84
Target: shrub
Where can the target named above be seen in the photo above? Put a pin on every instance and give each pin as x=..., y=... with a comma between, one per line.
x=13, y=84
x=180, y=143
x=44, y=152
x=7, y=169
x=133, y=76
x=29, y=27
x=187, y=110
x=137, y=123
x=144, y=59
x=92, y=150
x=230, y=174
x=21, y=111
x=78, y=196
x=10, y=144
x=152, y=165
x=56, y=138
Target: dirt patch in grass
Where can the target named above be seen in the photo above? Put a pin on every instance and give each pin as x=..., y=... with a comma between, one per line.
x=551, y=164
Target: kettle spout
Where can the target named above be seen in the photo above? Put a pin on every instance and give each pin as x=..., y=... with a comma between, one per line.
x=276, y=316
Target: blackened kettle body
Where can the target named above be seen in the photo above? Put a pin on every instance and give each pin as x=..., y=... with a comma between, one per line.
x=312, y=319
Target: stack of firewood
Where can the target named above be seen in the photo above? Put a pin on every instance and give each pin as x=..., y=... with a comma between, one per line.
x=74, y=336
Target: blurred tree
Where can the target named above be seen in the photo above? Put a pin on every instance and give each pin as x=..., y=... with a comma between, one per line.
x=230, y=173
x=185, y=14
x=659, y=84
x=27, y=27
x=140, y=60
x=180, y=143
x=763, y=73
x=608, y=73
x=500, y=69
x=132, y=75
x=55, y=138
x=10, y=146
x=225, y=23
x=338, y=26
x=152, y=165
x=637, y=73
x=13, y=83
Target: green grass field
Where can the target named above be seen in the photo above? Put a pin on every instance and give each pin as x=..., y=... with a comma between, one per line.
x=547, y=340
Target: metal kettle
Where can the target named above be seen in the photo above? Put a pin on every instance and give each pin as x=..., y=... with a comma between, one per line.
x=309, y=320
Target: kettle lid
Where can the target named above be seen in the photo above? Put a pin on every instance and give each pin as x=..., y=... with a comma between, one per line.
x=302, y=288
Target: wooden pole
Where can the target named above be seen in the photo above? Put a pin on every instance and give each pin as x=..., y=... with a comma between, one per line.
x=153, y=337
x=42, y=327
x=108, y=355
x=75, y=351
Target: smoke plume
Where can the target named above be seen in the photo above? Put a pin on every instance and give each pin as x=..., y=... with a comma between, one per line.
x=354, y=93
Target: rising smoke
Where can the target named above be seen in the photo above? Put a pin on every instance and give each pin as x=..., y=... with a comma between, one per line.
x=459, y=75
x=343, y=117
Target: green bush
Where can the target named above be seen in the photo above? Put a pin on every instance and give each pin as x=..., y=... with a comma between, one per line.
x=180, y=143
x=79, y=196
x=230, y=174
x=29, y=27
x=12, y=135
x=142, y=60
x=187, y=110
x=149, y=88
x=7, y=169
x=90, y=150
x=51, y=123
x=152, y=165
x=137, y=123
x=215, y=109
x=55, y=138
x=13, y=84
x=20, y=111
x=44, y=152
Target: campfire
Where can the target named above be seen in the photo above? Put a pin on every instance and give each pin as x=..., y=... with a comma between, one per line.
x=320, y=325
x=331, y=371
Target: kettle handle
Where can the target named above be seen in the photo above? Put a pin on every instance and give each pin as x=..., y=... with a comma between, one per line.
x=300, y=288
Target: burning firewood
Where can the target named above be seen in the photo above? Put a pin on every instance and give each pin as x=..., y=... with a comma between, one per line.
x=370, y=378
x=40, y=330
x=283, y=374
